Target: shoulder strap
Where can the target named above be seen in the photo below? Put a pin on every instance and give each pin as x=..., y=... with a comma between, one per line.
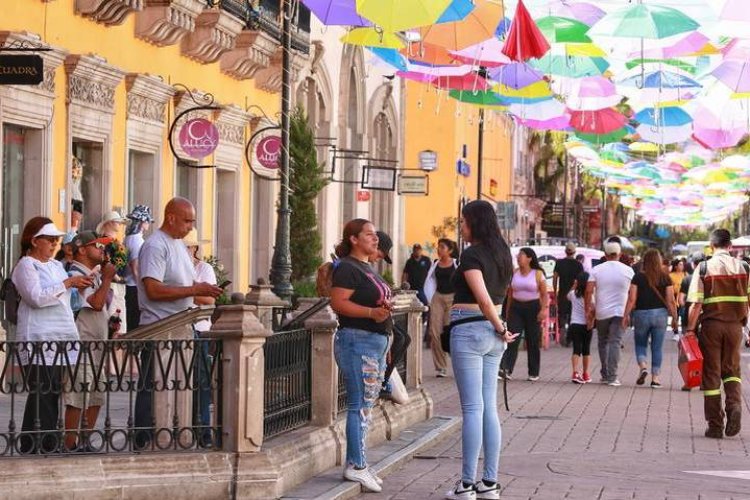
x=703, y=269
x=658, y=293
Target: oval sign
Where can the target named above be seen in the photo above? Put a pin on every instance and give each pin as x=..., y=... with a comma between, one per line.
x=268, y=151
x=199, y=138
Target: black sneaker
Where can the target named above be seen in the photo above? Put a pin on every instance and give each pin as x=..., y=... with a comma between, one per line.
x=734, y=426
x=714, y=433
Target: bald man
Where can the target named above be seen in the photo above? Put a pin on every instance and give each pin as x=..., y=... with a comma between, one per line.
x=167, y=286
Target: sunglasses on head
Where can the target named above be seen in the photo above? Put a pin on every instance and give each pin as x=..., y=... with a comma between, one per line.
x=97, y=245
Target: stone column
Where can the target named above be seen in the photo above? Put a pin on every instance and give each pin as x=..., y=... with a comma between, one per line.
x=243, y=369
x=407, y=301
x=325, y=373
x=264, y=300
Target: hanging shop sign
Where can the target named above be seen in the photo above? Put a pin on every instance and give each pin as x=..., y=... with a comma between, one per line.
x=378, y=178
x=263, y=153
x=363, y=196
x=463, y=168
x=428, y=160
x=414, y=185
x=198, y=138
x=21, y=69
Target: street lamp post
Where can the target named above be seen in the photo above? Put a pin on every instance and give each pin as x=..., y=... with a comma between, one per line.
x=281, y=263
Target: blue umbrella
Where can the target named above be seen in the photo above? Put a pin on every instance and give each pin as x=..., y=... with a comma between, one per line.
x=456, y=11
x=671, y=116
x=660, y=80
x=502, y=28
x=390, y=56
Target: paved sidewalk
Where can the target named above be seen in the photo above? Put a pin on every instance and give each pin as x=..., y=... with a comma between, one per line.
x=567, y=441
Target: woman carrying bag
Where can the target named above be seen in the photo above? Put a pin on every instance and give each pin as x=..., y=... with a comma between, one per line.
x=528, y=303
x=438, y=289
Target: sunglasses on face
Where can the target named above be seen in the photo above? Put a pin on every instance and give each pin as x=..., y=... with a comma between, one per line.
x=98, y=246
x=51, y=239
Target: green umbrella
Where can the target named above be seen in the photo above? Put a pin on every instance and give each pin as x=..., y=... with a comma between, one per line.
x=480, y=98
x=684, y=66
x=571, y=67
x=563, y=30
x=615, y=136
x=644, y=21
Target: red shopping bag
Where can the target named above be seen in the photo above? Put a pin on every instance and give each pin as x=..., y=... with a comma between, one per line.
x=690, y=361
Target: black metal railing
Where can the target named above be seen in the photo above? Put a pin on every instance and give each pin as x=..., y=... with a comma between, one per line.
x=267, y=18
x=279, y=316
x=113, y=396
x=288, y=381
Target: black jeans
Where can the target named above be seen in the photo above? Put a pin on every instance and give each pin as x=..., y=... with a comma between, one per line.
x=401, y=342
x=563, y=315
x=523, y=319
x=42, y=410
x=132, y=311
x=581, y=337
x=144, y=403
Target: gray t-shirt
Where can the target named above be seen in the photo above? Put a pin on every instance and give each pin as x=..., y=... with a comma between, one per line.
x=92, y=325
x=164, y=259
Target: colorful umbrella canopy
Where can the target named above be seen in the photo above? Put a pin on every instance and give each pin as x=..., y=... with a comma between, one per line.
x=735, y=74
x=644, y=21
x=516, y=75
x=400, y=15
x=370, y=37
x=660, y=80
x=486, y=98
x=585, y=12
x=470, y=81
x=563, y=30
x=540, y=111
x=556, y=123
x=390, y=56
x=456, y=11
x=477, y=27
x=592, y=93
x=488, y=54
x=525, y=41
x=664, y=134
x=685, y=46
x=336, y=12
x=428, y=53
x=574, y=67
x=602, y=121
x=668, y=117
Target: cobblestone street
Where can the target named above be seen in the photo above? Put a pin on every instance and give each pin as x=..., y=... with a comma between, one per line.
x=566, y=441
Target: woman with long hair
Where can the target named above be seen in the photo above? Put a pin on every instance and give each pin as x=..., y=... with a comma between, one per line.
x=579, y=331
x=651, y=300
x=438, y=289
x=362, y=300
x=477, y=345
x=45, y=324
x=528, y=303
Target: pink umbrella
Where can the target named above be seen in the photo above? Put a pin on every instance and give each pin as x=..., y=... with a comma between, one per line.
x=686, y=45
x=469, y=81
x=735, y=10
x=488, y=53
x=592, y=93
x=712, y=132
x=558, y=123
x=416, y=77
x=585, y=12
x=735, y=74
x=600, y=122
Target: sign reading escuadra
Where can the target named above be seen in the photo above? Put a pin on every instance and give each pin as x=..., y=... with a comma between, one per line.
x=21, y=69
x=198, y=138
x=268, y=151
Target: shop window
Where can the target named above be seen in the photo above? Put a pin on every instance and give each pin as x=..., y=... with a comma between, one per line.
x=87, y=184
x=141, y=179
x=226, y=219
x=186, y=183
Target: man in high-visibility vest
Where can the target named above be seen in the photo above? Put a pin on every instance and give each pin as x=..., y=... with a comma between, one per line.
x=719, y=294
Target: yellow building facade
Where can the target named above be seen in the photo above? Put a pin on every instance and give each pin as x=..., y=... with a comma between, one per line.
x=450, y=129
x=116, y=75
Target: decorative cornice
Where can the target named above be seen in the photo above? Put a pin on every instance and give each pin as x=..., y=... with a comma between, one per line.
x=166, y=22
x=109, y=12
x=92, y=81
x=252, y=53
x=231, y=123
x=269, y=79
x=147, y=97
x=215, y=33
x=52, y=58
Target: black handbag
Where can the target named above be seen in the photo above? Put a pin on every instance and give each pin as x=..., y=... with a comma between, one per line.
x=11, y=298
x=445, y=336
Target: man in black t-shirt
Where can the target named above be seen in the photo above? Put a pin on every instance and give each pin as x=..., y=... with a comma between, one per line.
x=566, y=271
x=415, y=271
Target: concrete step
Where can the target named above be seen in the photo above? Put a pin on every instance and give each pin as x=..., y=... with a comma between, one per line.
x=383, y=460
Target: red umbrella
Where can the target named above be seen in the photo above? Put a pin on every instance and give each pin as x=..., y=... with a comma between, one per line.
x=602, y=121
x=525, y=40
x=469, y=81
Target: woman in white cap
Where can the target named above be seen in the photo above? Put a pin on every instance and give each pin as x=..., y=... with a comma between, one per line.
x=110, y=227
x=44, y=317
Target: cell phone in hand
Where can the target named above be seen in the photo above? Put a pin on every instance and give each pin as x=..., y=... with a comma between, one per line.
x=225, y=284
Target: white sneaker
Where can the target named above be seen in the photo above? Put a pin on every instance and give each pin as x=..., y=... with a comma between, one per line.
x=363, y=477
x=614, y=383
x=533, y=378
x=375, y=476
x=676, y=337
x=460, y=493
x=487, y=492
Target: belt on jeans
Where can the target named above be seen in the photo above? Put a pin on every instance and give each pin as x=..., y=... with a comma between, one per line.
x=385, y=334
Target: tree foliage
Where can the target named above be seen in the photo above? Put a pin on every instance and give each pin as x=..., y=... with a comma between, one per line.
x=306, y=181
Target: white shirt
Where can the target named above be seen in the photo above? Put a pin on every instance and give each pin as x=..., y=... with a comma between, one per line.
x=164, y=259
x=612, y=279
x=133, y=243
x=577, y=309
x=204, y=273
x=44, y=313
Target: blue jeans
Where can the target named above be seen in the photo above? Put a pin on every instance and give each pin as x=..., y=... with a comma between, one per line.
x=360, y=356
x=650, y=323
x=475, y=353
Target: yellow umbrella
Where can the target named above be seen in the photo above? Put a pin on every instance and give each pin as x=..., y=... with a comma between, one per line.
x=400, y=15
x=707, y=50
x=533, y=91
x=372, y=37
x=478, y=26
x=578, y=50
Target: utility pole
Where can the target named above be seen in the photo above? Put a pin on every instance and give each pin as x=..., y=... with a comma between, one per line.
x=480, y=153
x=281, y=263
x=604, y=213
x=565, y=197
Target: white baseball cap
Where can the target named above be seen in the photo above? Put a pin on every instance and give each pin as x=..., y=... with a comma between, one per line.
x=49, y=230
x=612, y=248
x=111, y=216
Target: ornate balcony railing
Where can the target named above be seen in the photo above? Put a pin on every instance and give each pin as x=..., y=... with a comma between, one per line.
x=266, y=17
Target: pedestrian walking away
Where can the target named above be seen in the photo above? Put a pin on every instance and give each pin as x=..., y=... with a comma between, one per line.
x=566, y=271
x=580, y=333
x=528, y=307
x=362, y=301
x=415, y=271
x=480, y=282
x=606, y=297
x=651, y=300
x=439, y=291
x=719, y=294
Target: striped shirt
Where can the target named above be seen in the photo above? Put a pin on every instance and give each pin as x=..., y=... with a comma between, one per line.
x=723, y=290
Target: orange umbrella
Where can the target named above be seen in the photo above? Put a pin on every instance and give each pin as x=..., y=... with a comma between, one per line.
x=428, y=53
x=478, y=26
x=525, y=39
